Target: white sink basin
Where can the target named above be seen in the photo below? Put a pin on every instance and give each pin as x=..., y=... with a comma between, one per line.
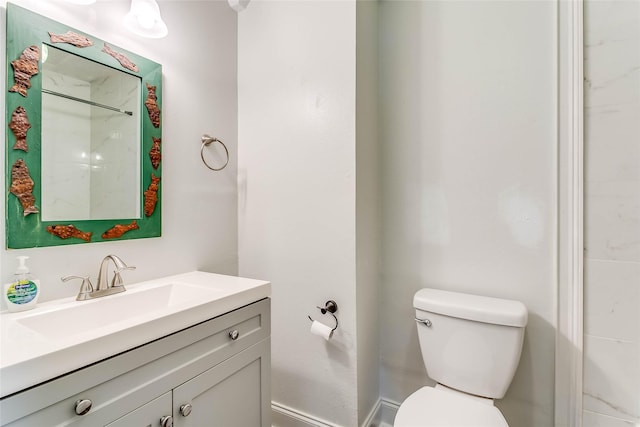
x=63, y=335
x=105, y=312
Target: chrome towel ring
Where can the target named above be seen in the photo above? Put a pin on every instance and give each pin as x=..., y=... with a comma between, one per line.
x=206, y=141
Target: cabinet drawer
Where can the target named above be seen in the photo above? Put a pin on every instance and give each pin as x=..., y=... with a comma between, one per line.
x=120, y=384
x=150, y=414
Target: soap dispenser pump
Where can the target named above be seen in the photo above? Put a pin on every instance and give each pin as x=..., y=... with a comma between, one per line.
x=22, y=294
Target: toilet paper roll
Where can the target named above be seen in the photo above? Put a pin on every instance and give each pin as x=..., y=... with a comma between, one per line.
x=321, y=329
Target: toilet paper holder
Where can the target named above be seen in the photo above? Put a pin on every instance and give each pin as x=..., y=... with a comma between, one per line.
x=329, y=307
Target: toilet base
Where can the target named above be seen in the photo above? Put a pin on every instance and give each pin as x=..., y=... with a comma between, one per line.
x=444, y=407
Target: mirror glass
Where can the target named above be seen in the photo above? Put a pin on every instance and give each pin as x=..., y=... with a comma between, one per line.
x=90, y=139
x=83, y=146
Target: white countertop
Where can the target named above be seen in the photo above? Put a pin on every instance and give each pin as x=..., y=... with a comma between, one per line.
x=29, y=357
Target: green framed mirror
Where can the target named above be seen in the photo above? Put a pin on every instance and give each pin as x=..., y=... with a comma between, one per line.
x=83, y=156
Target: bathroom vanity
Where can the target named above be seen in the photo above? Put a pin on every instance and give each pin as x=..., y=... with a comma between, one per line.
x=203, y=359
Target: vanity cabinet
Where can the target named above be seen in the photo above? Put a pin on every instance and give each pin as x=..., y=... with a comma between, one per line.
x=213, y=373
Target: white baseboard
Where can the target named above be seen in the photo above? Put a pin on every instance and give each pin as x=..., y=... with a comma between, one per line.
x=372, y=418
x=385, y=413
x=382, y=414
x=284, y=416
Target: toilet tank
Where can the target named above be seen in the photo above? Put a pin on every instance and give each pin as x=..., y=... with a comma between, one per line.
x=470, y=343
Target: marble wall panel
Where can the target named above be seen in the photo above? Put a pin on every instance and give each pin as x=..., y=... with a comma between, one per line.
x=612, y=299
x=592, y=419
x=611, y=377
x=612, y=214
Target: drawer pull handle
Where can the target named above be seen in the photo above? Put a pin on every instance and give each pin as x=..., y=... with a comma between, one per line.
x=83, y=406
x=234, y=335
x=166, y=421
x=185, y=409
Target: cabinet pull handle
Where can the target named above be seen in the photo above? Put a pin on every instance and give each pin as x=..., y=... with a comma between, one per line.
x=166, y=421
x=83, y=406
x=234, y=335
x=185, y=409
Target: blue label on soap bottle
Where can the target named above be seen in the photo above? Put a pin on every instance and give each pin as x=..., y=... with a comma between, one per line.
x=22, y=292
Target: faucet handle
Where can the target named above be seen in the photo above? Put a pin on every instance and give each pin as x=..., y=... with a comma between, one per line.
x=85, y=288
x=117, y=278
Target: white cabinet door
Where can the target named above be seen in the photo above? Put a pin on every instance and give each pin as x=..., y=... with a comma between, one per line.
x=234, y=393
x=150, y=415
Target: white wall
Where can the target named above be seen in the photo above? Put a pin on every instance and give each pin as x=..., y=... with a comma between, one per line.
x=199, y=207
x=468, y=134
x=612, y=212
x=368, y=209
x=467, y=108
x=297, y=191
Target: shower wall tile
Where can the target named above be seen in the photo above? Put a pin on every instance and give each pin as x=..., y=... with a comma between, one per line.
x=592, y=419
x=612, y=220
x=612, y=213
x=611, y=52
x=612, y=130
x=612, y=378
x=614, y=152
x=612, y=298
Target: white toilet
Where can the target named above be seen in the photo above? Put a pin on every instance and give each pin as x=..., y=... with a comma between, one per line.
x=471, y=347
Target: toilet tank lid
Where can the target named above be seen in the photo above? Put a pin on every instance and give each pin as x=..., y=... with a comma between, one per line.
x=472, y=307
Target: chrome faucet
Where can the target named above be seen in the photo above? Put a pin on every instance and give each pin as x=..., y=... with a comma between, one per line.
x=103, y=288
x=116, y=283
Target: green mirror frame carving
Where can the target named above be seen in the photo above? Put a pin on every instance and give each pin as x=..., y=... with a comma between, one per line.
x=26, y=28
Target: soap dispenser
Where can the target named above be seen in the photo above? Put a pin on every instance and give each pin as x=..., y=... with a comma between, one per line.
x=22, y=294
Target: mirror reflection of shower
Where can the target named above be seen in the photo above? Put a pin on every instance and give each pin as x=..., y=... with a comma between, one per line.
x=90, y=139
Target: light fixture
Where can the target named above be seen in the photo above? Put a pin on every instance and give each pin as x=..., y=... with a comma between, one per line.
x=238, y=5
x=44, y=53
x=144, y=19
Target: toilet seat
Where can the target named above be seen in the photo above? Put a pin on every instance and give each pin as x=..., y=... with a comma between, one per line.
x=431, y=407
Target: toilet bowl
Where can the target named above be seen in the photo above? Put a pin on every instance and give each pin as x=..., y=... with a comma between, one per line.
x=471, y=347
x=435, y=407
